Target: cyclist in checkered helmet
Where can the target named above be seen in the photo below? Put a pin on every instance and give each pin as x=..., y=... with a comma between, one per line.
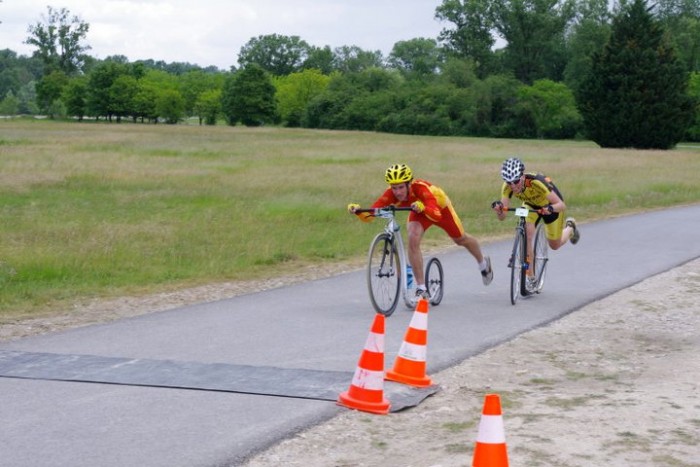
x=537, y=192
x=430, y=206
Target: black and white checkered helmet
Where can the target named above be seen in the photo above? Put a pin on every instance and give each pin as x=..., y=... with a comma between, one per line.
x=512, y=169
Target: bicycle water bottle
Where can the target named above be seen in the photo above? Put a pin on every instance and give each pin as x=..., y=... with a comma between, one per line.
x=409, y=276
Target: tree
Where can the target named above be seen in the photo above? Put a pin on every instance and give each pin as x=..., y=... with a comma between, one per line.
x=418, y=57
x=9, y=105
x=552, y=107
x=276, y=54
x=170, y=105
x=208, y=106
x=636, y=92
x=295, y=91
x=122, y=93
x=49, y=89
x=58, y=41
x=534, y=32
x=249, y=97
x=588, y=35
x=681, y=19
x=321, y=59
x=471, y=37
x=193, y=83
x=353, y=59
x=74, y=97
x=694, y=91
x=100, y=81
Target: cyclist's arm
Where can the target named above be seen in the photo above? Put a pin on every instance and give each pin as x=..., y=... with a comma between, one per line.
x=556, y=202
x=430, y=205
x=502, y=209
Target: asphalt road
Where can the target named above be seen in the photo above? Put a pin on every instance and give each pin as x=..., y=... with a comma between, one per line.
x=306, y=332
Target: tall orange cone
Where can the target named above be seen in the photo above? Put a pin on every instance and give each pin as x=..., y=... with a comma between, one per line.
x=366, y=390
x=490, y=450
x=409, y=366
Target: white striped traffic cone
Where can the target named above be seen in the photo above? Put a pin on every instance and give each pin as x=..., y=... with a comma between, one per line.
x=409, y=366
x=366, y=390
x=490, y=450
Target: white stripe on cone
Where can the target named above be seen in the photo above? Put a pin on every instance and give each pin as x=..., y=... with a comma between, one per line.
x=491, y=430
x=375, y=342
x=419, y=321
x=413, y=352
x=367, y=379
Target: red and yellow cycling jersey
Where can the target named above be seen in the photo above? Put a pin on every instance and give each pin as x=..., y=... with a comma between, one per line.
x=437, y=207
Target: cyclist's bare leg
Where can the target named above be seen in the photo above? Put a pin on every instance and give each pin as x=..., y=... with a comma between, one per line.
x=415, y=255
x=472, y=245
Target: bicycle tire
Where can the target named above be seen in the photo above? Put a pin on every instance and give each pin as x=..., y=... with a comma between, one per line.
x=541, y=257
x=435, y=281
x=517, y=273
x=383, y=274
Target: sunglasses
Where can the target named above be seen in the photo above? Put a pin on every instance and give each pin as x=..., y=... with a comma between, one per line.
x=513, y=183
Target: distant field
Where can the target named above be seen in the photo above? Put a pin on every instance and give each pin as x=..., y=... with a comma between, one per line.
x=97, y=210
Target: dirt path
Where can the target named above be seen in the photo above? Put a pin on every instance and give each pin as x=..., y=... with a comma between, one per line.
x=616, y=383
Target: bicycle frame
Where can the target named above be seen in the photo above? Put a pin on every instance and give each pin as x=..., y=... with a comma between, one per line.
x=393, y=230
x=388, y=263
x=521, y=264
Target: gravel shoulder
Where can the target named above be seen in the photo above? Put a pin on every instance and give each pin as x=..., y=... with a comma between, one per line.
x=614, y=383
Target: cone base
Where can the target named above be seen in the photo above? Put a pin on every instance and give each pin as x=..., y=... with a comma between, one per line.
x=381, y=408
x=490, y=455
x=418, y=381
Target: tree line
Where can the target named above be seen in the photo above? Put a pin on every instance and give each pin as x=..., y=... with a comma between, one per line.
x=626, y=75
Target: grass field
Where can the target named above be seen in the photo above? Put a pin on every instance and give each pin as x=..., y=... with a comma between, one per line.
x=97, y=210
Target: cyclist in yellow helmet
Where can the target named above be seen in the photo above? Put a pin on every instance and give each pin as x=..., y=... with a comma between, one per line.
x=431, y=206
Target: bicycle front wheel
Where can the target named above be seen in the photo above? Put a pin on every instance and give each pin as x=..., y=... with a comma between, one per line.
x=517, y=279
x=434, y=280
x=541, y=257
x=383, y=274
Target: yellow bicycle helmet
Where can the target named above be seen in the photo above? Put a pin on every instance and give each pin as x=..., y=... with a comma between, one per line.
x=398, y=173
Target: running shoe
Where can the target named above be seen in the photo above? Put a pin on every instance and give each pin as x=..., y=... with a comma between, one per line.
x=487, y=274
x=571, y=222
x=422, y=292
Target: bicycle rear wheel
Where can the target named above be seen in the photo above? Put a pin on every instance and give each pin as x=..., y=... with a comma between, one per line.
x=434, y=280
x=541, y=257
x=383, y=274
x=517, y=274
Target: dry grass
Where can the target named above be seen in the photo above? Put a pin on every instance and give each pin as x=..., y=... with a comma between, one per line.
x=96, y=209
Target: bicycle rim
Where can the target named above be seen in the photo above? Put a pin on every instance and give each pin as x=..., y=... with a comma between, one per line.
x=516, y=271
x=434, y=280
x=541, y=257
x=383, y=274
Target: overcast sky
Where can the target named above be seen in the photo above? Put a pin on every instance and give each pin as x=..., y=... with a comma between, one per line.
x=212, y=32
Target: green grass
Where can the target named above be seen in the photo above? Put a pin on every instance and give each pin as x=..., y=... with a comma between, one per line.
x=97, y=210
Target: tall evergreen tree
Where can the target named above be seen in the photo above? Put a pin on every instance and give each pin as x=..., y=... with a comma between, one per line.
x=635, y=94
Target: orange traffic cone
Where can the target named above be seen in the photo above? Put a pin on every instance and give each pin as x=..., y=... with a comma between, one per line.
x=366, y=391
x=409, y=366
x=490, y=450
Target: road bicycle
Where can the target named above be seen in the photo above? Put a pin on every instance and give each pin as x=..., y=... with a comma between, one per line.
x=520, y=284
x=387, y=267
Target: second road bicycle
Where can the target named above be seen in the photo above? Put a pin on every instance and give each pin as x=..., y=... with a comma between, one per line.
x=522, y=283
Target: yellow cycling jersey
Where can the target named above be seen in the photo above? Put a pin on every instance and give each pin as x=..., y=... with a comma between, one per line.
x=537, y=187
